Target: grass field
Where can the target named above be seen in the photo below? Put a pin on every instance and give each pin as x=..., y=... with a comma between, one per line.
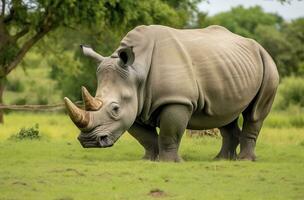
x=57, y=167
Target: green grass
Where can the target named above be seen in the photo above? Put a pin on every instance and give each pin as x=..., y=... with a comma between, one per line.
x=57, y=167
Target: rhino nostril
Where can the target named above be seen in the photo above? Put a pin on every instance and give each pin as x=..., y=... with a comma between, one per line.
x=103, y=137
x=105, y=141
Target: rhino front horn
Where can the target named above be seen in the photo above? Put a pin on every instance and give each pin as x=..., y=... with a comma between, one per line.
x=80, y=117
x=91, y=103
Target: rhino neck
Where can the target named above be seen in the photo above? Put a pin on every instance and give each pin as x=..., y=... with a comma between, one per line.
x=142, y=39
x=143, y=86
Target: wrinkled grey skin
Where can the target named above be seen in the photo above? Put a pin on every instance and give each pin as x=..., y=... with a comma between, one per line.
x=177, y=79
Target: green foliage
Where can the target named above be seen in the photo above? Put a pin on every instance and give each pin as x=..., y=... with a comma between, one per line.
x=285, y=119
x=283, y=40
x=290, y=93
x=37, y=87
x=7, y=55
x=15, y=85
x=294, y=34
x=19, y=101
x=70, y=79
x=27, y=133
x=242, y=20
x=278, y=47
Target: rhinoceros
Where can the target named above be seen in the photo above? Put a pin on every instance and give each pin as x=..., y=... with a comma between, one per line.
x=176, y=79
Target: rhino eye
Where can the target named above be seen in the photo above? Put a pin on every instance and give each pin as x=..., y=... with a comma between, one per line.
x=115, y=110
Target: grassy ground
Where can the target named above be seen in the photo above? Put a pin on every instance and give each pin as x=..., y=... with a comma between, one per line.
x=57, y=167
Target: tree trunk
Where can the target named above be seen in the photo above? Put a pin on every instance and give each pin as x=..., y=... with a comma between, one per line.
x=2, y=82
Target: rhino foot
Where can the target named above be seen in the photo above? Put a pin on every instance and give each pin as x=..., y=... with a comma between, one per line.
x=226, y=156
x=247, y=149
x=170, y=157
x=151, y=155
x=250, y=157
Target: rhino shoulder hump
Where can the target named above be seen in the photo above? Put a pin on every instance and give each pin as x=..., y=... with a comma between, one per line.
x=140, y=27
x=217, y=27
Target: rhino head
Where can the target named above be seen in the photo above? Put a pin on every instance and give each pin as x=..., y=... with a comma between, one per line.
x=114, y=108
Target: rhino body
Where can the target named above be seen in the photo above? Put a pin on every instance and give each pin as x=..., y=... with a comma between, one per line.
x=196, y=79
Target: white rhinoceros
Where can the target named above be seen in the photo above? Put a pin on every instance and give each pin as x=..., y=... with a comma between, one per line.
x=177, y=79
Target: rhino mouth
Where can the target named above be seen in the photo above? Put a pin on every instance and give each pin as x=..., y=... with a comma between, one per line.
x=94, y=139
x=103, y=141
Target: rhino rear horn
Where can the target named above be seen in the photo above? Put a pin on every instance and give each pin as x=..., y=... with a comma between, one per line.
x=88, y=51
x=80, y=117
x=91, y=103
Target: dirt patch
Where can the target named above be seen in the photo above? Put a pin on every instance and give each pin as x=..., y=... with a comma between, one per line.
x=67, y=170
x=157, y=193
x=200, y=133
x=19, y=183
x=65, y=198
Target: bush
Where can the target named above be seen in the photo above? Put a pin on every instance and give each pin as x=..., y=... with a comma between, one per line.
x=15, y=85
x=291, y=118
x=297, y=121
x=27, y=133
x=291, y=92
x=20, y=101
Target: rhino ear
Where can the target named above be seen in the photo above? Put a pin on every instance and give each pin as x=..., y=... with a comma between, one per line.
x=126, y=56
x=88, y=51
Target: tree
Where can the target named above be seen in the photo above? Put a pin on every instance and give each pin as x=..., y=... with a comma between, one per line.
x=24, y=23
x=294, y=34
x=283, y=40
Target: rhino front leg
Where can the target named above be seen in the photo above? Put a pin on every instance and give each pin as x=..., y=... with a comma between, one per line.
x=173, y=122
x=148, y=138
x=230, y=134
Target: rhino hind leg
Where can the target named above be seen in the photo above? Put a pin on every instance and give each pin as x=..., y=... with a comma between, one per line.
x=248, y=139
x=173, y=121
x=230, y=140
x=259, y=108
x=148, y=138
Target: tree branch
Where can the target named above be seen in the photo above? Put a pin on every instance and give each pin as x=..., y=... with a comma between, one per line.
x=3, y=8
x=21, y=33
x=24, y=49
x=46, y=25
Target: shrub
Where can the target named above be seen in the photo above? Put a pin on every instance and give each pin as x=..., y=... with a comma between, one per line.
x=291, y=92
x=42, y=100
x=20, y=101
x=290, y=118
x=15, y=85
x=297, y=121
x=27, y=133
